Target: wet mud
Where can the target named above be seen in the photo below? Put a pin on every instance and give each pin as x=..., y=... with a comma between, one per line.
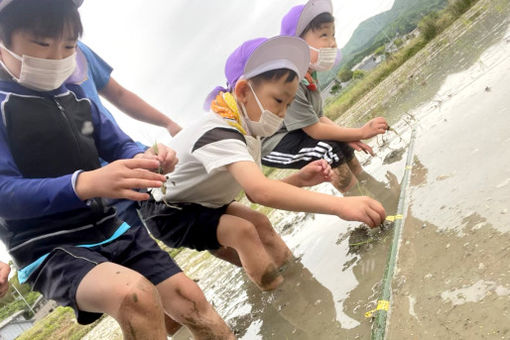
x=453, y=275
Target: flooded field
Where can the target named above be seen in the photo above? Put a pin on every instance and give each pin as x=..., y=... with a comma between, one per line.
x=454, y=269
x=453, y=276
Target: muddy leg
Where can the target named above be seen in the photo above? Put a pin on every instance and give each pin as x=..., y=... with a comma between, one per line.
x=272, y=242
x=184, y=301
x=240, y=234
x=125, y=295
x=227, y=254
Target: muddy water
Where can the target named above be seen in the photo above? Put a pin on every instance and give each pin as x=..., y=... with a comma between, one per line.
x=454, y=270
x=452, y=280
x=327, y=289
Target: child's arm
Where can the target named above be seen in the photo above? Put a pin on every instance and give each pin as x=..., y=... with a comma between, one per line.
x=330, y=130
x=313, y=173
x=124, y=100
x=302, y=114
x=135, y=107
x=356, y=145
x=280, y=195
x=24, y=198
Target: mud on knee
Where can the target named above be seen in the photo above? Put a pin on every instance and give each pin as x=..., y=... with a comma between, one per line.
x=140, y=304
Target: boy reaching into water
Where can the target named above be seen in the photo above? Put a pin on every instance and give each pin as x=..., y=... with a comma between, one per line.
x=308, y=135
x=220, y=156
x=66, y=242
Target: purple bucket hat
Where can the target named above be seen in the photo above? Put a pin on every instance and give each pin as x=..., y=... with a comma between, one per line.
x=4, y=3
x=296, y=20
x=260, y=55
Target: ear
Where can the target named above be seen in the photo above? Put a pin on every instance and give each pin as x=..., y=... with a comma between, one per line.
x=241, y=91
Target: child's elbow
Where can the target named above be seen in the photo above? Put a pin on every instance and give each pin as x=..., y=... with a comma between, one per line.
x=259, y=195
x=312, y=131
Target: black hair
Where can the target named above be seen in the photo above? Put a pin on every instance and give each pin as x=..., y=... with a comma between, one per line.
x=317, y=22
x=275, y=75
x=42, y=18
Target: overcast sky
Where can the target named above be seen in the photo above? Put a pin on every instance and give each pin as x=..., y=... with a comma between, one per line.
x=172, y=52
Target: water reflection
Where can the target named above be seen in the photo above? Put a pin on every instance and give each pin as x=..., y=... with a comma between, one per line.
x=302, y=308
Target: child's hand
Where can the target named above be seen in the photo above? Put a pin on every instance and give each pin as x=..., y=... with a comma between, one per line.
x=363, y=209
x=5, y=269
x=173, y=128
x=167, y=157
x=360, y=146
x=118, y=179
x=374, y=127
x=315, y=173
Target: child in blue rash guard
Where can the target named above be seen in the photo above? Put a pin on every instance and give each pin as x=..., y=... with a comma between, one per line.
x=66, y=242
x=307, y=134
x=220, y=156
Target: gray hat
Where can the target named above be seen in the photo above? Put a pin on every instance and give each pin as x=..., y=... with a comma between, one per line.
x=4, y=3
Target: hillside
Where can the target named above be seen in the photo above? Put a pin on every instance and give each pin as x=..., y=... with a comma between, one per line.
x=402, y=18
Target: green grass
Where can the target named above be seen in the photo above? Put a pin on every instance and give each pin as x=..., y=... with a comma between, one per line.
x=18, y=305
x=59, y=325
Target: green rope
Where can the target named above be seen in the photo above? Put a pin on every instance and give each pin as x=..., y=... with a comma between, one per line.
x=383, y=305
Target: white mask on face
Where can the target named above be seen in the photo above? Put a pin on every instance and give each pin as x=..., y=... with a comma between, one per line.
x=268, y=122
x=325, y=60
x=42, y=74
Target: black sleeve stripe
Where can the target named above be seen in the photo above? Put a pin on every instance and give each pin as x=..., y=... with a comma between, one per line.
x=216, y=135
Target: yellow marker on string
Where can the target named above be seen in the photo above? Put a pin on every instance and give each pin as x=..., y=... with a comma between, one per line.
x=393, y=218
x=381, y=305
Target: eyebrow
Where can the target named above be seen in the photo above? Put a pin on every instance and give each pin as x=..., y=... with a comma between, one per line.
x=288, y=94
x=39, y=38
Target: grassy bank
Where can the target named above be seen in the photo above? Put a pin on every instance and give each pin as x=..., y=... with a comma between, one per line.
x=430, y=26
x=59, y=325
x=17, y=305
x=11, y=303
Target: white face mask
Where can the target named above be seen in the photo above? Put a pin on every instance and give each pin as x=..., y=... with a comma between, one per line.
x=268, y=122
x=42, y=74
x=326, y=59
